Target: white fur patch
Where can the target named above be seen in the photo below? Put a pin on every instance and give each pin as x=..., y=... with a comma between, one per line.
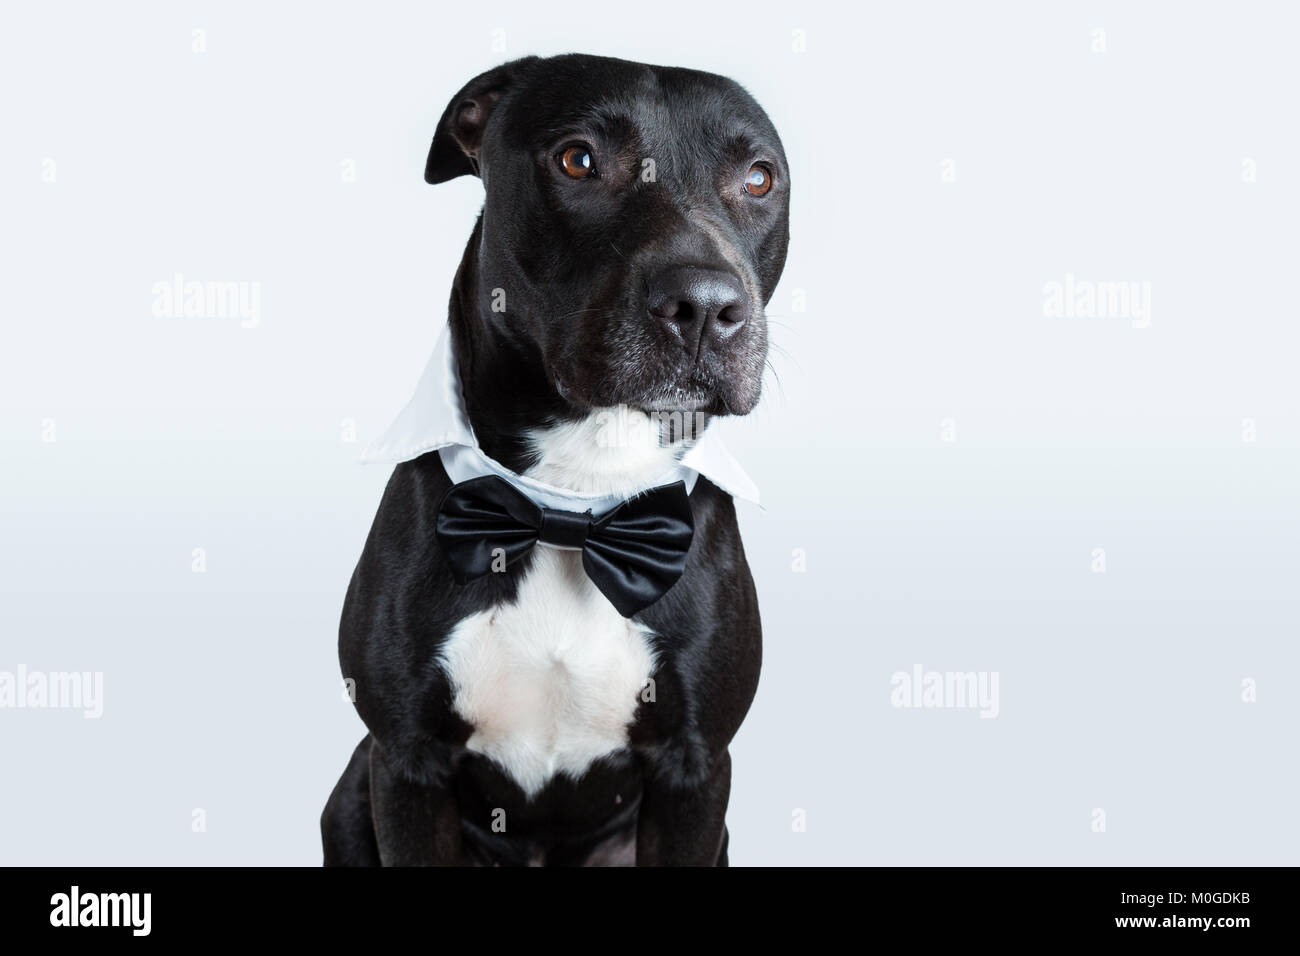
x=612, y=451
x=551, y=681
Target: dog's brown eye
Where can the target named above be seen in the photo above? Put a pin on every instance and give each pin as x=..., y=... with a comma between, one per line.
x=578, y=162
x=758, y=180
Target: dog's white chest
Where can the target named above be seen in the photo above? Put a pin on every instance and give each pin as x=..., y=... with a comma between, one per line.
x=550, y=682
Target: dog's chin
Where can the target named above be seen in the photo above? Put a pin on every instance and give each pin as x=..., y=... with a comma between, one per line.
x=717, y=396
x=678, y=400
x=669, y=399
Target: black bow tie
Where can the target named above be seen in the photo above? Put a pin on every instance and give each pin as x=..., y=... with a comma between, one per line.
x=633, y=553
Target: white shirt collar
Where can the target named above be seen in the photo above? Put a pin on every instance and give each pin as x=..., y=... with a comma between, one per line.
x=435, y=419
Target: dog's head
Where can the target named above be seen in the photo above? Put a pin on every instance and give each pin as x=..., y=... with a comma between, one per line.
x=635, y=226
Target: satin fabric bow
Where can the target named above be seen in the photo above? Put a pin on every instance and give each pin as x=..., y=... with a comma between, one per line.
x=633, y=553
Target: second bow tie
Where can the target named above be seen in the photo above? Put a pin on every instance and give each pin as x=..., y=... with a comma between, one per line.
x=633, y=553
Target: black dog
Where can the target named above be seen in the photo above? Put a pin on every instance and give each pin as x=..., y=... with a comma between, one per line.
x=634, y=228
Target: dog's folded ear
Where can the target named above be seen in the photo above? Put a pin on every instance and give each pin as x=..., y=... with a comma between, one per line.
x=459, y=134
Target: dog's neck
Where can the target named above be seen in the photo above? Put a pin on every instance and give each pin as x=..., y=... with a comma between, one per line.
x=520, y=419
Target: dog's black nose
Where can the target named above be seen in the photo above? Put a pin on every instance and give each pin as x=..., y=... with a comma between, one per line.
x=697, y=304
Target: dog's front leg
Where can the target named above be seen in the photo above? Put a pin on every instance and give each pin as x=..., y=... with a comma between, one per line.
x=682, y=821
x=416, y=824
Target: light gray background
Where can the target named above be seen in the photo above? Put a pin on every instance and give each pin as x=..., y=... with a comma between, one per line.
x=924, y=302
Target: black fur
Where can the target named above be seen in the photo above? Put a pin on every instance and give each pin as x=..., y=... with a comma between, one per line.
x=574, y=259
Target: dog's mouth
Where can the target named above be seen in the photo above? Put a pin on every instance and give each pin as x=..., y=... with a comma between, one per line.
x=629, y=366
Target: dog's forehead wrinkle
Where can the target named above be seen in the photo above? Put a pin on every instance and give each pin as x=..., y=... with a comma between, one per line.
x=672, y=118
